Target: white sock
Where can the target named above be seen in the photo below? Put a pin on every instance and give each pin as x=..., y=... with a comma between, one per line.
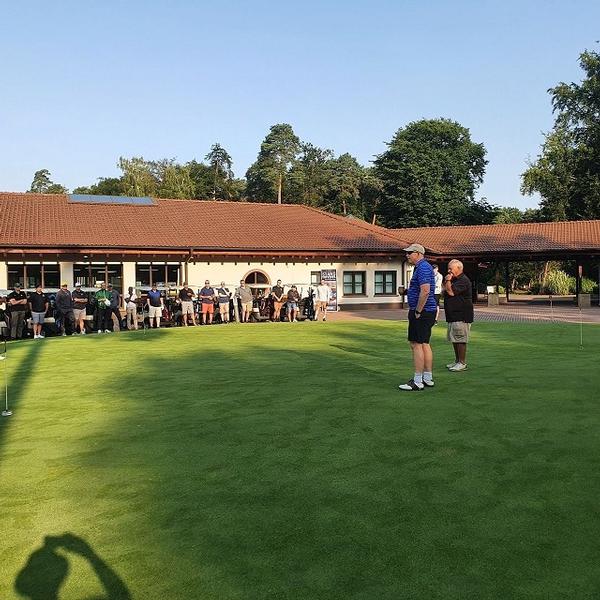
x=427, y=375
x=418, y=378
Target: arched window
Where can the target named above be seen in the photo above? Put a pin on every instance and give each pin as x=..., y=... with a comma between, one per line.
x=256, y=277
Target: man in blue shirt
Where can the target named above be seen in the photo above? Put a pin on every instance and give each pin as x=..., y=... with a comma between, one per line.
x=421, y=317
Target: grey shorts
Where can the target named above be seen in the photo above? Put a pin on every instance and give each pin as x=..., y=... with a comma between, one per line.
x=38, y=318
x=458, y=332
x=292, y=306
x=79, y=313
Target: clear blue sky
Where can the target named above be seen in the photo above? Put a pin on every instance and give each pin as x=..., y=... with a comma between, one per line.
x=85, y=82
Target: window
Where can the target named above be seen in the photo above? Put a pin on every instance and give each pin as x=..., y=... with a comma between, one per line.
x=256, y=277
x=315, y=277
x=91, y=274
x=385, y=283
x=46, y=275
x=159, y=273
x=354, y=283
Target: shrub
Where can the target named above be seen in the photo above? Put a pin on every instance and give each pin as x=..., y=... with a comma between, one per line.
x=588, y=286
x=558, y=283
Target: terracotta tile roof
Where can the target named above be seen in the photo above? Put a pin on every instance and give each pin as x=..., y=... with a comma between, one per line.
x=507, y=239
x=50, y=220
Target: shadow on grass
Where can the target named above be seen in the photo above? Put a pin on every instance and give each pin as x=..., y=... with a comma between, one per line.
x=18, y=365
x=47, y=569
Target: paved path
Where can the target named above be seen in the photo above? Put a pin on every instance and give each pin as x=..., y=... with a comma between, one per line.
x=529, y=314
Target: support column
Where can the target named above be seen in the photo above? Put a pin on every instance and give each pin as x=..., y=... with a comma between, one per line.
x=578, y=274
x=507, y=280
x=128, y=276
x=66, y=273
x=4, y=275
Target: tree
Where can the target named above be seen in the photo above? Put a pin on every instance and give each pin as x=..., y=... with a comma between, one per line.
x=267, y=176
x=567, y=171
x=309, y=177
x=429, y=175
x=139, y=178
x=220, y=163
x=106, y=186
x=42, y=184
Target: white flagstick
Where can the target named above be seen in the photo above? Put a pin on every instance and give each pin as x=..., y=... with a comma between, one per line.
x=5, y=412
x=580, y=329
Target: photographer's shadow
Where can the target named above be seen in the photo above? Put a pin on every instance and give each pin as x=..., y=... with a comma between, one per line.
x=46, y=570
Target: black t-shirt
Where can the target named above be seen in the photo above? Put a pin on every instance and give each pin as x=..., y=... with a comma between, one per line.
x=460, y=306
x=38, y=302
x=79, y=295
x=277, y=291
x=186, y=294
x=17, y=296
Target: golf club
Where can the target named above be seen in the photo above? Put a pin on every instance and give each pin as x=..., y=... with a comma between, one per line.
x=5, y=412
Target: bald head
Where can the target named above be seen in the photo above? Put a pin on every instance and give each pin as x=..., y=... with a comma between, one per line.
x=455, y=267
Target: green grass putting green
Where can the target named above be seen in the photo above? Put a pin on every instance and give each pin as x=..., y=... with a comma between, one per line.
x=279, y=461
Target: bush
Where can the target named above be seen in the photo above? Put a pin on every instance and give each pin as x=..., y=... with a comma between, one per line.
x=558, y=283
x=588, y=286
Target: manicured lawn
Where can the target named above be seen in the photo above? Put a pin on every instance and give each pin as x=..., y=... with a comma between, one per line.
x=281, y=462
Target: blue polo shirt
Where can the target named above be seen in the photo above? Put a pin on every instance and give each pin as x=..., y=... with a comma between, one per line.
x=423, y=273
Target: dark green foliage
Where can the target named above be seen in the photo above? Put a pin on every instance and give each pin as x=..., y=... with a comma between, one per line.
x=106, y=186
x=429, y=175
x=567, y=172
x=42, y=184
x=268, y=175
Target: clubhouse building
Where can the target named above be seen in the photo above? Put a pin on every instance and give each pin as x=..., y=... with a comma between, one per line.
x=55, y=238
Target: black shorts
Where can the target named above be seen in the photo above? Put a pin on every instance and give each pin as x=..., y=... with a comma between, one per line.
x=437, y=298
x=419, y=330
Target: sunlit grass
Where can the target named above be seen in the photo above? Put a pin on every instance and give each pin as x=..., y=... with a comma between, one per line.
x=281, y=461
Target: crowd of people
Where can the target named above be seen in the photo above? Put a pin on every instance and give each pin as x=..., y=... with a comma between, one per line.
x=70, y=309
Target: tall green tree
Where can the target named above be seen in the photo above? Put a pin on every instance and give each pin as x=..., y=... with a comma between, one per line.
x=309, y=176
x=139, y=176
x=567, y=171
x=220, y=162
x=267, y=176
x=429, y=175
x=43, y=184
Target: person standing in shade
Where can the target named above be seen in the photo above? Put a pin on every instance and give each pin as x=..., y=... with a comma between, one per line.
x=439, y=282
x=223, y=295
x=277, y=294
x=64, y=305
x=186, y=295
x=458, y=306
x=244, y=294
x=207, y=295
x=38, y=305
x=293, y=298
x=421, y=317
x=103, y=303
x=115, y=306
x=80, y=300
x=131, y=309
x=17, y=300
x=155, y=306
x=323, y=295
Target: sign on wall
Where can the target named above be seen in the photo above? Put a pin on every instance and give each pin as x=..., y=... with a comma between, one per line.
x=330, y=278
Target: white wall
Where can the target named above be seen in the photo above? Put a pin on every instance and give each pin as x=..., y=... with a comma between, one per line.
x=289, y=272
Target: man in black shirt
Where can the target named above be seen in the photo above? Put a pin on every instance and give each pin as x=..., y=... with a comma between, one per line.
x=277, y=294
x=38, y=305
x=186, y=295
x=64, y=306
x=17, y=301
x=80, y=300
x=458, y=306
